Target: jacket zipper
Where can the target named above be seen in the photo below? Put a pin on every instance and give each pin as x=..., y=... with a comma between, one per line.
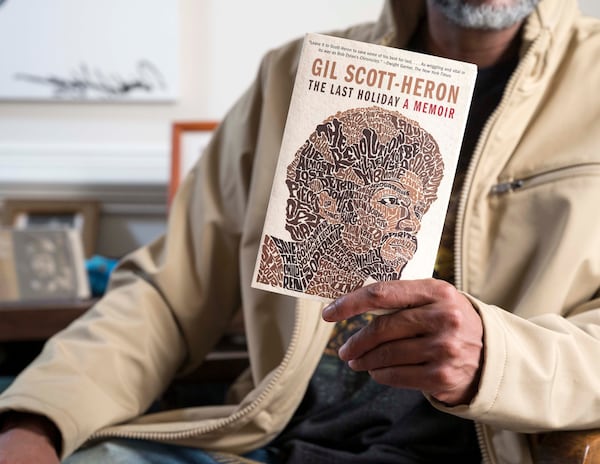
x=486, y=458
x=196, y=431
x=583, y=169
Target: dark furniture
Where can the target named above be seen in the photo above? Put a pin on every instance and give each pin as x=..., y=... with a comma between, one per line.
x=25, y=326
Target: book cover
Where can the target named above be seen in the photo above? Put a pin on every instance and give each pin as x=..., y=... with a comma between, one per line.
x=38, y=264
x=365, y=169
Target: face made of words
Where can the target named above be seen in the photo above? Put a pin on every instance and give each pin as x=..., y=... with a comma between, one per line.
x=358, y=188
x=389, y=216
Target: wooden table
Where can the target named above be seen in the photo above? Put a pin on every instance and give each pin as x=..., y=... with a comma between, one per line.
x=36, y=321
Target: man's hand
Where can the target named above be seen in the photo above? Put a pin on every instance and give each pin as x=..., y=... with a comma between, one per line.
x=432, y=341
x=27, y=440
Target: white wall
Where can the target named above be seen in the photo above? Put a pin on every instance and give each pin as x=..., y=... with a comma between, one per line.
x=221, y=44
x=590, y=7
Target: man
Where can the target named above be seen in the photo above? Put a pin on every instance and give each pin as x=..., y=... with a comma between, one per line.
x=514, y=351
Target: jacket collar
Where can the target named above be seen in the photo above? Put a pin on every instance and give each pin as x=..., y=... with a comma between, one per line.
x=398, y=21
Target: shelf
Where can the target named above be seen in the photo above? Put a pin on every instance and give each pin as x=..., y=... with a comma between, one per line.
x=38, y=320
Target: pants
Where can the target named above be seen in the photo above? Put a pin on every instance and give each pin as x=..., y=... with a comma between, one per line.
x=145, y=452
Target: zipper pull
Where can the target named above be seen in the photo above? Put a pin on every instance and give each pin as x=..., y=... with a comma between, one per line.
x=506, y=187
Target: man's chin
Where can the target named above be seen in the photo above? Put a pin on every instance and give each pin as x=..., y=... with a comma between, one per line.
x=485, y=16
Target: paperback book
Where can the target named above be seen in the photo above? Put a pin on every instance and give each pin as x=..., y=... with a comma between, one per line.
x=365, y=169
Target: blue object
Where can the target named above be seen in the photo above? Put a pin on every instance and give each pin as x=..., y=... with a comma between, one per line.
x=98, y=270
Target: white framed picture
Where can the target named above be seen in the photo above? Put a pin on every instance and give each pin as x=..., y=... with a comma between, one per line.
x=188, y=140
x=37, y=213
x=85, y=50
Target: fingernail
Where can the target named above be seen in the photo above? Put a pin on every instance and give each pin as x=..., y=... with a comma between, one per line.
x=327, y=311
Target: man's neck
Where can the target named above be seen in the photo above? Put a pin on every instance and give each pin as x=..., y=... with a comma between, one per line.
x=481, y=47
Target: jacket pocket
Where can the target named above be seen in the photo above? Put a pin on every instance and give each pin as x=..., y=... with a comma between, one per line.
x=553, y=175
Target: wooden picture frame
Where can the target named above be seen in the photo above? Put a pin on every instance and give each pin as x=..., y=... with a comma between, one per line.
x=188, y=140
x=23, y=213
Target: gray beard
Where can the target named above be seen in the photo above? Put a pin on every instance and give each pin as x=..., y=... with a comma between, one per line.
x=485, y=16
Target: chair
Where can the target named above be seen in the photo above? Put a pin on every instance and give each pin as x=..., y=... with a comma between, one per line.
x=572, y=447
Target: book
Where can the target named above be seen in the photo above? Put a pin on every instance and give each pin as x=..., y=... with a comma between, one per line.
x=42, y=264
x=365, y=169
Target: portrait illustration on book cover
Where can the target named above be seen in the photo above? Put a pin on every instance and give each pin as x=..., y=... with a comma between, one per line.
x=358, y=189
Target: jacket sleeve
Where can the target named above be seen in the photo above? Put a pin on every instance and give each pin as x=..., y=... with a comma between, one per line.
x=168, y=303
x=539, y=374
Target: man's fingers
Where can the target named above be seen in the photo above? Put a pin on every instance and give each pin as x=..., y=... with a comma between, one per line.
x=406, y=367
x=396, y=353
x=400, y=377
x=401, y=326
x=386, y=296
x=424, y=377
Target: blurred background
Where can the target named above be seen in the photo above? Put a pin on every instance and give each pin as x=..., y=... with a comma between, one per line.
x=78, y=142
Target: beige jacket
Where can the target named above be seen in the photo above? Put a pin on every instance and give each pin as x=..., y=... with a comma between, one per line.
x=528, y=246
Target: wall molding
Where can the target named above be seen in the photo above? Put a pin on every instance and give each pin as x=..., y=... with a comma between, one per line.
x=84, y=163
x=115, y=199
